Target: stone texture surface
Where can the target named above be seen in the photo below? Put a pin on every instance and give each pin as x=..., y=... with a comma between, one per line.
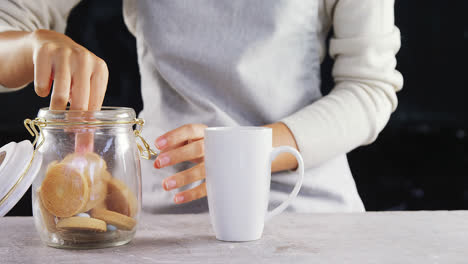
x=386, y=237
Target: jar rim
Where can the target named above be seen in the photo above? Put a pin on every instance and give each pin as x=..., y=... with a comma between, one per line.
x=107, y=113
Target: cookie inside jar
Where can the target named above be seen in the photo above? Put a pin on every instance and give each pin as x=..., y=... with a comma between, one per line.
x=80, y=198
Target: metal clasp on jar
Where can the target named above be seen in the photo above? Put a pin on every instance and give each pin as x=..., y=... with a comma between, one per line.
x=145, y=152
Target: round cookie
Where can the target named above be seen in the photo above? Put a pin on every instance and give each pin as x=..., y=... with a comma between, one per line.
x=86, y=159
x=105, y=176
x=98, y=193
x=93, y=157
x=51, y=164
x=81, y=224
x=121, y=221
x=120, y=199
x=93, y=167
x=79, y=237
x=47, y=218
x=64, y=191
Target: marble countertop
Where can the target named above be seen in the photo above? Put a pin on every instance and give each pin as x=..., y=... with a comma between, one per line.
x=373, y=237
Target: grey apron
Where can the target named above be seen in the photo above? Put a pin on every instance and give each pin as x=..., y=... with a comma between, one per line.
x=229, y=63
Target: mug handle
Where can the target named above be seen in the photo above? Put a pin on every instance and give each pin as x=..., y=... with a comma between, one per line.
x=297, y=187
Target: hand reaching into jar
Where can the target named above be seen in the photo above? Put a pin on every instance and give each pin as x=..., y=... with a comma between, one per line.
x=186, y=143
x=47, y=57
x=78, y=76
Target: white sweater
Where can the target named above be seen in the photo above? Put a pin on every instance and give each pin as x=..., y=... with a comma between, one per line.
x=235, y=63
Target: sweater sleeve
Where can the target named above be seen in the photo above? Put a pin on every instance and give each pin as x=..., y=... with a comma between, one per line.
x=29, y=15
x=364, y=46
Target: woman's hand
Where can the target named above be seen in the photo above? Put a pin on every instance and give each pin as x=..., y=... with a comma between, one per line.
x=186, y=143
x=45, y=56
x=79, y=76
x=183, y=144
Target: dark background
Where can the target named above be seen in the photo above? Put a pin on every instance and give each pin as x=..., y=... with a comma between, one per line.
x=419, y=161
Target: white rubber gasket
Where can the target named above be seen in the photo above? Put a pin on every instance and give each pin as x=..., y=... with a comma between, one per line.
x=15, y=162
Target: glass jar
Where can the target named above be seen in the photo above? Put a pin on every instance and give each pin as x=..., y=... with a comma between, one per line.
x=87, y=193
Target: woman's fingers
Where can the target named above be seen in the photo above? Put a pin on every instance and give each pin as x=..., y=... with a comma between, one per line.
x=43, y=78
x=190, y=195
x=62, y=80
x=192, y=151
x=88, y=94
x=183, y=144
x=185, y=177
x=180, y=136
x=78, y=75
x=84, y=142
x=99, y=80
x=80, y=90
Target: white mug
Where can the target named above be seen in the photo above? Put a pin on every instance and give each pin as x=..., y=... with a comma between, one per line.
x=238, y=174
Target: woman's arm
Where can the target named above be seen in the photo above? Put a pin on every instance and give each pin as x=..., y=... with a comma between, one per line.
x=44, y=55
x=17, y=20
x=364, y=46
x=16, y=69
x=32, y=47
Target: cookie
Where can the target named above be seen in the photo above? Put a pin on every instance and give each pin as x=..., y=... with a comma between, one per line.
x=51, y=164
x=85, y=237
x=81, y=224
x=120, y=221
x=47, y=218
x=64, y=191
x=94, y=168
x=120, y=199
x=86, y=159
x=106, y=176
x=97, y=196
x=95, y=158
